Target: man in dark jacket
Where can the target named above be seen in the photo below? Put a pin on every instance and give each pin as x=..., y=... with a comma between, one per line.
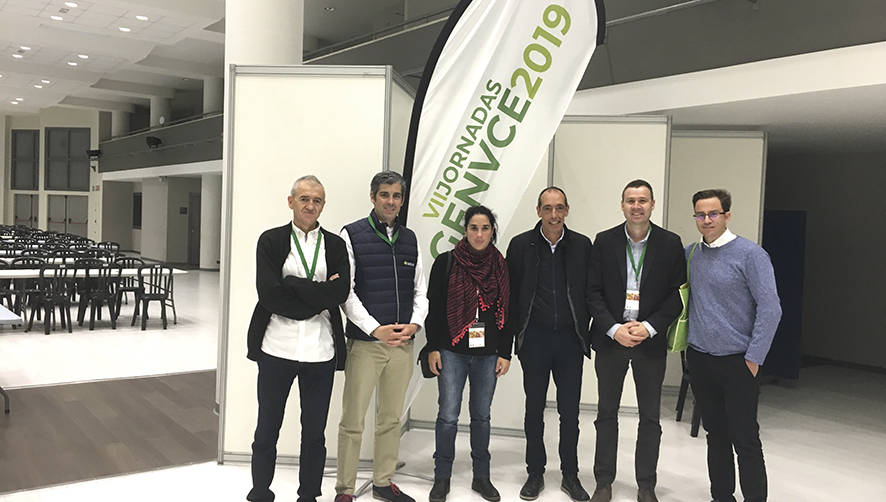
x=549, y=267
x=302, y=276
x=636, y=270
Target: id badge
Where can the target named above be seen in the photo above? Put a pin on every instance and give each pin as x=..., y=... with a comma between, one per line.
x=632, y=300
x=477, y=336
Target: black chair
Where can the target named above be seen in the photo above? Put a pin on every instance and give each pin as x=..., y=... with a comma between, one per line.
x=101, y=254
x=154, y=283
x=84, y=286
x=56, y=284
x=25, y=289
x=67, y=253
x=99, y=288
x=128, y=284
x=6, y=287
x=112, y=247
x=40, y=253
x=681, y=398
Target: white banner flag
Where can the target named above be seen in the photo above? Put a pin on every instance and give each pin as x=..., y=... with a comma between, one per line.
x=494, y=91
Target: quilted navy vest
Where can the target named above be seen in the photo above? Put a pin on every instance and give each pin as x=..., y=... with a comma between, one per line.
x=384, y=275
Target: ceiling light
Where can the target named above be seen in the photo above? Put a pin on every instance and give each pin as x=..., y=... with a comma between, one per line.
x=13, y=102
x=19, y=99
x=142, y=18
x=82, y=56
x=38, y=86
x=72, y=5
x=17, y=56
x=46, y=81
x=72, y=63
x=329, y=9
x=124, y=29
x=24, y=47
x=56, y=18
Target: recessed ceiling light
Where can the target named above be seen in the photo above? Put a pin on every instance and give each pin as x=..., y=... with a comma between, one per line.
x=82, y=56
x=17, y=56
x=38, y=86
x=24, y=47
x=46, y=81
x=329, y=9
x=19, y=99
x=72, y=63
x=142, y=18
x=72, y=5
x=13, y=102
x=56, y=18
x=124, y=29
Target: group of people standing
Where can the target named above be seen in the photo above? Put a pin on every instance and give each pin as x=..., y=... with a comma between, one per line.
x=479, y=307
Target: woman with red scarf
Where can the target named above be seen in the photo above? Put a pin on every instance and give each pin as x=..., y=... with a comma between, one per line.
x=468, y=293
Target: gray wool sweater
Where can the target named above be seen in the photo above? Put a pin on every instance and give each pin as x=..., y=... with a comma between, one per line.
x=733, y=305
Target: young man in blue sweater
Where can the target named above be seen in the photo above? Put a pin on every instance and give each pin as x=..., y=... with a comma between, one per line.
x=733, y=313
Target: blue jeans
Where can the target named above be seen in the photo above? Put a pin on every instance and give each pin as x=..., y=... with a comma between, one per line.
x=457, y=368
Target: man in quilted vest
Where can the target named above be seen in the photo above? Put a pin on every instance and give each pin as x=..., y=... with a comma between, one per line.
x=386, y=306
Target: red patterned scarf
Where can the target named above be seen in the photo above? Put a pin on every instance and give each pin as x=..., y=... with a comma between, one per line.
x=473, y=272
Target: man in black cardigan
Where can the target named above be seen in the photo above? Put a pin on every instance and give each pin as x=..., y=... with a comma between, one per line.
x=636, y=270
x=302, y=275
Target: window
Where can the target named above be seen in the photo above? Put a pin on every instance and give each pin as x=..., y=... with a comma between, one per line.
x=137, y=210
x=25, y=153
x=67, y=164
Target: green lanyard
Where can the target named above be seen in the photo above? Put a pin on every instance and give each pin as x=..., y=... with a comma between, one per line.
x=308, y=271
x=384, y=237
x=636, y=268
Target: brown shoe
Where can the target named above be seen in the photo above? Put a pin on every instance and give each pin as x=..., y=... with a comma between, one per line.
x=603, y=493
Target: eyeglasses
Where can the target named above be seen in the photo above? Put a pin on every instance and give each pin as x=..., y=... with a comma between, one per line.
x=714, y=216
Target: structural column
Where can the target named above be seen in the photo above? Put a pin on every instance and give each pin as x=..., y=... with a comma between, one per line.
x=5, y=204
x=210, y=221
x=119, y=123
x=213, y=94
x=160, y=107
x=269, y=32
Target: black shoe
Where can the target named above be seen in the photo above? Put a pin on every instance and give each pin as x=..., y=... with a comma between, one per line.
x=390, y=493
x=646, y=495
x=603, y=493
x=439, y=490
x=532, y=487
x=572, y=486
x=484, y=487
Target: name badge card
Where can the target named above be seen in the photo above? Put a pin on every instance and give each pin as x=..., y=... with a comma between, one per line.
x=477, y=336
x=632, y=300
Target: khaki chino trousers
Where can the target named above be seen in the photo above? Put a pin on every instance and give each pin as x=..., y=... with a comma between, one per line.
x=372, y=366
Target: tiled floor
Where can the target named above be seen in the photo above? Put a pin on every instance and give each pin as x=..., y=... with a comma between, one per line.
x=824, y=441
x=32, y=358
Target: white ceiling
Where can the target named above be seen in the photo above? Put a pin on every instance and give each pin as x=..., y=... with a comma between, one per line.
x=182, y=42
x=168, y=51
x=833, y=121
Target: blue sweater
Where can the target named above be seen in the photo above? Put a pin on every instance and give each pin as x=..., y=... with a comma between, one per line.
x=733, y=304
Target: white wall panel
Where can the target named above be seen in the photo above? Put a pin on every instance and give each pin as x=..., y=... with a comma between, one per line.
x=734, y=160
x=594, y=158
x=288, y=122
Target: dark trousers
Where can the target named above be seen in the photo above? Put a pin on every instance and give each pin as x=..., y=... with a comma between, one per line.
x=457, y=368
x=275, y=377
x=542, y=354
x=727, y=393
x=648, y=371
